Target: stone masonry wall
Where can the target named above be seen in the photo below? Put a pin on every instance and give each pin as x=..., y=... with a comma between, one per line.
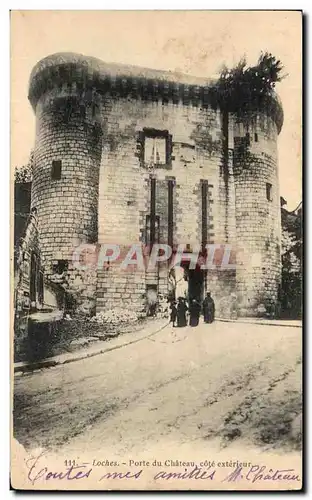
x=124, y=193
x=91, y=117
x=23, y=275
x=257, y=218
x=67, y=129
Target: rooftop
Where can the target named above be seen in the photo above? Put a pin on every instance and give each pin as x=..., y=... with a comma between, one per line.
x=114, y=70
x=90, y=72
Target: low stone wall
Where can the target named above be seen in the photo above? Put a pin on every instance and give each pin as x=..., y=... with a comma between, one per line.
x=50, y=338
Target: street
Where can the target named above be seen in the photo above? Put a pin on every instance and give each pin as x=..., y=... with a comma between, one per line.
x=223, y=382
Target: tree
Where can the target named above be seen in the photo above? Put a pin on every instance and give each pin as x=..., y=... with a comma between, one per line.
x=25, y=172
x=244, y=88
x=291, y=293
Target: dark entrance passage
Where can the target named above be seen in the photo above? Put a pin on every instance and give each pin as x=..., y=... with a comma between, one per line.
x=196, y=284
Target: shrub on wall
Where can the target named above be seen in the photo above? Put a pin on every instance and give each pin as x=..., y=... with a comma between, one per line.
x=245, y=88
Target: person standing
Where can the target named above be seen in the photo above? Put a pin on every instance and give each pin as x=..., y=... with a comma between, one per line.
x=173, y=313
x=209, y=309
x=151, y=302
x=181, y=312
x=194, y=312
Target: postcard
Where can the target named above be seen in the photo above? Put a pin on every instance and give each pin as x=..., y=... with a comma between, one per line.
x=157, y=250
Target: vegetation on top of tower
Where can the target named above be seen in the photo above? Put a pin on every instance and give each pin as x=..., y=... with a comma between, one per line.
x=246, y=88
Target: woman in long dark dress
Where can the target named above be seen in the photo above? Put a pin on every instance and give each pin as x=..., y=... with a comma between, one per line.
x=209, y=309
x=181, y=312
x=194, y=312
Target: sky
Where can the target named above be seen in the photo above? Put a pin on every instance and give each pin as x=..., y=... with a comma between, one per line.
x=195, y=42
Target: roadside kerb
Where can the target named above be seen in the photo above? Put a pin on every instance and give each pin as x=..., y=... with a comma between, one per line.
x=63, y=359
x=263, y=322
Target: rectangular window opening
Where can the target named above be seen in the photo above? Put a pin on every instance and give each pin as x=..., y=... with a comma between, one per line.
x=269, y=194
x=157, y=147
x=153, y=212
x=171, y=183
x=204, y=187
x=148, y=238
x=256, y=137
x=40, y=288
x=56, y=171
x=33, y=276
x=60, y=266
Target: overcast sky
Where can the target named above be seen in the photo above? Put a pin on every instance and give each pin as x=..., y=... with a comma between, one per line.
x=197, y=43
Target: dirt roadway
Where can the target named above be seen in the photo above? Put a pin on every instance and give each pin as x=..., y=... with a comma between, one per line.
x=221, y=383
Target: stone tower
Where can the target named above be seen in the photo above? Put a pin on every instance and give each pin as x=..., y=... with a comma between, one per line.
x=134, y=156
x=67, y=158
x=257, y=209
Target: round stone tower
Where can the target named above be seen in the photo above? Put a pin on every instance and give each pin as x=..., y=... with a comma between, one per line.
x=67, y=154
x=257, y=207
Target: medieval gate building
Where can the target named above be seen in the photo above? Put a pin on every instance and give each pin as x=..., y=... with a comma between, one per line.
x=128, y=155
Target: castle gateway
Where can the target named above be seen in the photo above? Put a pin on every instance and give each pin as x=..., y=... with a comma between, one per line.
x=128, y=155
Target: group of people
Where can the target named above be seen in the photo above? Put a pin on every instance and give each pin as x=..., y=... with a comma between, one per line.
x=178, y=311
